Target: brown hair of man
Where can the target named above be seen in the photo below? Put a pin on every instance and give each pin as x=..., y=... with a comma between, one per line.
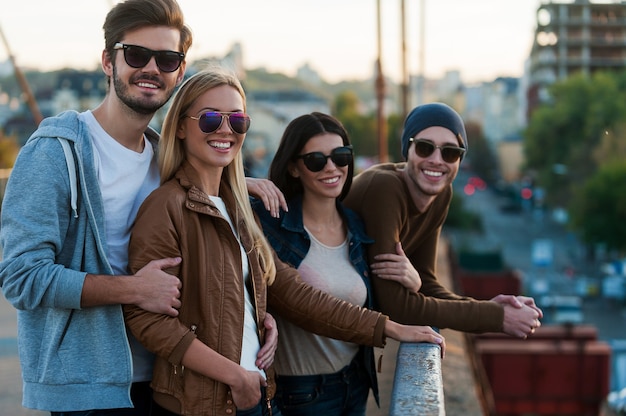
x=131, y=15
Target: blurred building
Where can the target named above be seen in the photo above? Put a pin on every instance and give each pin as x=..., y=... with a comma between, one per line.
x=6, y=68
x=308, y=74
x=510, y=154
x=272, y=111
x=501, y=105
x=575, y=37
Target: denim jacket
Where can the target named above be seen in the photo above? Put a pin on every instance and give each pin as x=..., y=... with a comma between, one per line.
x=291, y=243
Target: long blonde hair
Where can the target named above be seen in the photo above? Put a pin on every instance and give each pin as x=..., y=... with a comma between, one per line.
x=172, y=155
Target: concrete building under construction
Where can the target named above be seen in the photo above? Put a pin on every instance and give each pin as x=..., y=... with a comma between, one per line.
x=580, y=36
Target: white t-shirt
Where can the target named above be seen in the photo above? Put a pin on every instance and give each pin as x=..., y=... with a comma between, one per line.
x=250, y=346
x=126, y=178
x=301, y=352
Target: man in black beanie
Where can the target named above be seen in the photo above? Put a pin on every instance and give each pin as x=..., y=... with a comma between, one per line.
x=407, y=203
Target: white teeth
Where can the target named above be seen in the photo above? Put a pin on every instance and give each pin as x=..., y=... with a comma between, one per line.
x=146, y=85
x=331, y=180
x=220, y=145
x=432, y=173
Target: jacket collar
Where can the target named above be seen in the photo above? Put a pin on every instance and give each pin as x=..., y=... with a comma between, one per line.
x=189, y=178
x=199, y=201
x=294, y=222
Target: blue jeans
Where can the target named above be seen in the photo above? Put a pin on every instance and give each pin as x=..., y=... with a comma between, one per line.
x=340, y=394
x=261, y=409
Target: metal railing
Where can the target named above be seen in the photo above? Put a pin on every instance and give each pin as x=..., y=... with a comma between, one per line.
x=417, y=384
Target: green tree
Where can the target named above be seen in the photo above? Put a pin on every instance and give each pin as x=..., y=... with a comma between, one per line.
x=561, y=136
x=599, y=211
x=346, y=104
x=395, y=123
x=8, y=151
x=461, y=218
x=361, y=128
x=612, y=146
x=480, y=155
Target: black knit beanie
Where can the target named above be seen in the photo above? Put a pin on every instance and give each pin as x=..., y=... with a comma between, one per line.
x=429, y=115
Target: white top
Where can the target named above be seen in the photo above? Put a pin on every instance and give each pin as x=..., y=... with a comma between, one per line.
x=126, y=178
x=250, y=345
x=301, y=352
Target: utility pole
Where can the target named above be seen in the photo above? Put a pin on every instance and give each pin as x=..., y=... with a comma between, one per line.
x=421, y=78
x=383, y=155
x=21, y=79
x=404, y=86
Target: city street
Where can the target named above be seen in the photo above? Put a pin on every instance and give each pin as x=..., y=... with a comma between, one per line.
x=513, y=235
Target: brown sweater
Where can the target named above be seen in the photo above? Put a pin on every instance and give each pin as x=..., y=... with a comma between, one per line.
x=381, y=197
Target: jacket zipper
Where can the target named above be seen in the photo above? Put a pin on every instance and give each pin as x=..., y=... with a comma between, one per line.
x=182, y=367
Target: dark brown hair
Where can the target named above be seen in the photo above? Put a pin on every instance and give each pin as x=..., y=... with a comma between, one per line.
x=131, y=15
x=296, y=135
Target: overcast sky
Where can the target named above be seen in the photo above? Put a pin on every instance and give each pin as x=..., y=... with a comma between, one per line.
x=483, y=39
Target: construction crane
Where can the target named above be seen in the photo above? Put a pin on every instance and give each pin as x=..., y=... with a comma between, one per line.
x=21, y=79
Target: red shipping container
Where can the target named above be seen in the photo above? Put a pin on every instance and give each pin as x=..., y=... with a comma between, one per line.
x=486, y=285
x=546, y=377
x=552, y=332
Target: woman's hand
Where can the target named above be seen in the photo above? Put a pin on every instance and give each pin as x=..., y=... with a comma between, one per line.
x=397, y=267
x=414, y=333
x=264, y=189
x=245, y=385
x=265, y=357
x=247, y=391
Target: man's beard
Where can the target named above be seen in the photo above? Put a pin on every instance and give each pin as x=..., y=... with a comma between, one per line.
x=139, y=105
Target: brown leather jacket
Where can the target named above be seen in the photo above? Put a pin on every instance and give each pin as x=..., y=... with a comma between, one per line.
x=180, y=220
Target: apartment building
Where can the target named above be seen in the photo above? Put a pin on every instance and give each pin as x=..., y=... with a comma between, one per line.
x=580, y=36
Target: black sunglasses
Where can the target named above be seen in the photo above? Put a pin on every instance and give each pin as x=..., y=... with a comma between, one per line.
x=315, y=161
x=138, y=57
x=211, y=121
x=425, y=148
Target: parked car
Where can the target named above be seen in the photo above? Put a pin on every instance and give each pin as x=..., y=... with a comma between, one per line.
x=562, y=309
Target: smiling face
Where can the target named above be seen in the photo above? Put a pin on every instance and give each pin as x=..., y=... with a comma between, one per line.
x=328, y=182
x=144, y=90
x=216, y=150
x=427, y=177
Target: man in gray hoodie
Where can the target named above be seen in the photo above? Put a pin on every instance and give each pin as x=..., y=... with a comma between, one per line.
x=70, y=202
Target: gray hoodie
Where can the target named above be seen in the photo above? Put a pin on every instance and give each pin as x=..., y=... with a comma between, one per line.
x=72, y=359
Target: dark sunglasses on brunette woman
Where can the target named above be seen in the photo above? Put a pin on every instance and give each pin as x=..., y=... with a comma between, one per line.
x=425, y=148
x=315, y=161
x=211, y=121
x=138, y=57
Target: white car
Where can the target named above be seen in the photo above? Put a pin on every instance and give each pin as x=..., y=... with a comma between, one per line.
x=562, y=309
